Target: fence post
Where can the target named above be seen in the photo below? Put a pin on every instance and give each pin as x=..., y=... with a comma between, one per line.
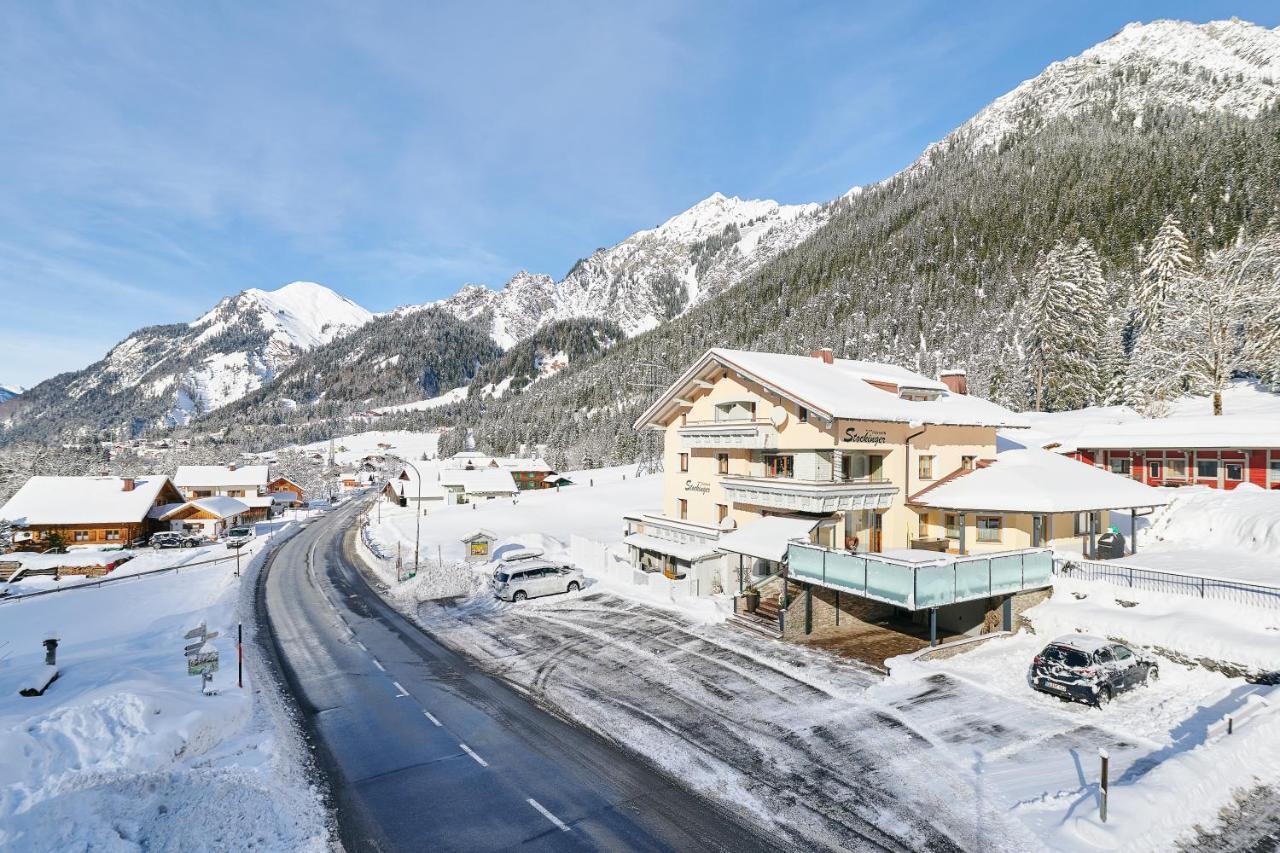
x=1202, y=587
x=1103, y=787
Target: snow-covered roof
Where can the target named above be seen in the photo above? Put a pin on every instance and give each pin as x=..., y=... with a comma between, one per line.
x=480, y=533
x=841, y=389
x=220, y=476
x=767, y=537
x=82, y=500
x=679, y=550
x=1223, y=431
x=219, y=506
x=1033, y=480
x=465, y=459
x=480, y=481
x=258, y=501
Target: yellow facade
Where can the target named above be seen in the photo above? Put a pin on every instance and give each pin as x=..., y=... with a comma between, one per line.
x=880, y=455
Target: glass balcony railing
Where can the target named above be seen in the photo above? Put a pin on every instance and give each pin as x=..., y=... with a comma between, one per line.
x=919, y=585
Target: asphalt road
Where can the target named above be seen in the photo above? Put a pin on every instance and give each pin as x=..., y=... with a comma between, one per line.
x=424, y=751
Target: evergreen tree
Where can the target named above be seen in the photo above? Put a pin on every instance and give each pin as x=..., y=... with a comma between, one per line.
x=1168, y=260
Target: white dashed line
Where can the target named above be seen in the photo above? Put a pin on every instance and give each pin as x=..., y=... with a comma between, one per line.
x=379, y=665
x=548, y=815
x=432, y=718
x=362, y=645
x=471, y=752
x=402, y=692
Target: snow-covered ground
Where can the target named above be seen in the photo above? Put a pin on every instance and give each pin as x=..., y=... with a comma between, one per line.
x=123, y=752
x=404, y=443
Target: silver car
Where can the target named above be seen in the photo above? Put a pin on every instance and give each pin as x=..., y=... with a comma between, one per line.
x=532, y=578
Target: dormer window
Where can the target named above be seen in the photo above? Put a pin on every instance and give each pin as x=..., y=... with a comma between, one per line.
x=919, y=394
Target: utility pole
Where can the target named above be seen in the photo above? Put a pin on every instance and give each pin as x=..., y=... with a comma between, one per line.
x=417, y=517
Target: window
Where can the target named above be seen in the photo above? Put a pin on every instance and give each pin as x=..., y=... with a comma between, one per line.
x=988, y=528
x=780, y=466
x=738, y=410
x=1082, y=523
x=1177, y=469
x=1122, y=654
x=1207, y=469
x=924, y=525
x=682, y=507
x=1235, y=470
x=81, y=536
x=1120, y=466
x=926, y=468
x=1155, y=469
x=952, y=522
x=1104, y=656
x=875, y=468
x=684, y=462
x=722, y=463
x=966, y=462
x=722, y=512
x=113, y=535
x=802, y=415
x=1275, y=471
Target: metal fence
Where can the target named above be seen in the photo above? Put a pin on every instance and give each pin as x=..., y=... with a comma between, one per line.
x=1137, y=577
x=103, y=581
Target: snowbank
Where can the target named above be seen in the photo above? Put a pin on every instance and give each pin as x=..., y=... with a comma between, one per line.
x=1246, y=518
x=123, y=751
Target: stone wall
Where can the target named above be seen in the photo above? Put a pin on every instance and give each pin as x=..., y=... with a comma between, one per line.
x=827, y=616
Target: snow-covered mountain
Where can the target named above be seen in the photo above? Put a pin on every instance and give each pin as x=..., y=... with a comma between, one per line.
x=1222, y=66
x=170, y=374
x=8, y=392
x=244, y=341
x=649, y=277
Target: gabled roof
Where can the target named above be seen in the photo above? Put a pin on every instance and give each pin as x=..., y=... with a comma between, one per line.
x=480, y=480
x=1039, y=481
x=841, y=389
x=220, y=476
x=84, y=500
x=219, y=506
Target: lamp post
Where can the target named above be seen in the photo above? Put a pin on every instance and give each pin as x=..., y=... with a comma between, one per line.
x=417, y=516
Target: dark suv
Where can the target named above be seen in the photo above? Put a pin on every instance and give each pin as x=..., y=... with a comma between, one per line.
x=1089, y=669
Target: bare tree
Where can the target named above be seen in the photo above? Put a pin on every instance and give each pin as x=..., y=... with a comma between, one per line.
x=1225, y=320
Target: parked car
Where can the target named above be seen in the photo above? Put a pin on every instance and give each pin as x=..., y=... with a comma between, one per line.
x=530, y=579
x=176, y=539
x=238, y=536
x=1080, y=667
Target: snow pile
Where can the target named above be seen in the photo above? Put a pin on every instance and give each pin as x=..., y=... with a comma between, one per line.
x=123, y=752
x=1247, y=637
x=1246, y=518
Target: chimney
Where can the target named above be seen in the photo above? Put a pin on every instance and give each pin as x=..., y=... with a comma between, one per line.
x=126, y=484
x=823, y=354
x=957, y=381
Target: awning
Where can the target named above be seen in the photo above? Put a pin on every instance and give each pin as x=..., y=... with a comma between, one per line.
x=679, y=550
x=767, y=538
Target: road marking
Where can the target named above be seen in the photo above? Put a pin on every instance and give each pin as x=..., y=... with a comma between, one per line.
x=379, y=665
x=360, y=644
x=548, y=815
x=400, y=687
x=432, y=718
x=471, y=752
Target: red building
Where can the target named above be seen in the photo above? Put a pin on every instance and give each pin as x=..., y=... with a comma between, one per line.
x=1220, y=452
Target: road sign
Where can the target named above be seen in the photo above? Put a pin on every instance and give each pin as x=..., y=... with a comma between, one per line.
x=204, y=663
x=199, y=643
x=197, y=631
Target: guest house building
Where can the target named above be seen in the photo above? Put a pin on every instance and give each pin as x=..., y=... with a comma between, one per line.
x=1220, y=452
x=89, y=511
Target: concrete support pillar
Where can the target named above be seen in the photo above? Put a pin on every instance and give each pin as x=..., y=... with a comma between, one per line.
x=963, y=530
x=1133, y=530
x=808, y=609
x=933, y=626
x=1006, y=614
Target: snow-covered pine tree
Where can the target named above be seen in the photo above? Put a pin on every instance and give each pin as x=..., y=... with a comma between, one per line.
x=1068, y=312
x=1168, y=259
x=1226, y=320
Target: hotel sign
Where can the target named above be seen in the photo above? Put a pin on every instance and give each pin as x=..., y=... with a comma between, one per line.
x=702, y=488
x=868, y=436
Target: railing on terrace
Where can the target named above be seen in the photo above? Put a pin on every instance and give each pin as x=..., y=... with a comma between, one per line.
x=920, y=585
x=1198, y=586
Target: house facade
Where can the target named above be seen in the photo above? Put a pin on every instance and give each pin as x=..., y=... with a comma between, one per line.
x=89, y=511
x=286, y=491
x=245, y=483
x=843, y=443
x=1220, y=452
x=527, y=473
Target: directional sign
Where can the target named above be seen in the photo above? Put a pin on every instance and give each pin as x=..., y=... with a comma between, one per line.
x=196, y=646
x=197, y=631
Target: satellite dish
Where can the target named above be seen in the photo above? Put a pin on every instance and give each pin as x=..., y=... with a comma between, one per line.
x=778, y=416
x=727, y=523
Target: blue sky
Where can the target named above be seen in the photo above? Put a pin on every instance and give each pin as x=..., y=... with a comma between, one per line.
x=155, y=157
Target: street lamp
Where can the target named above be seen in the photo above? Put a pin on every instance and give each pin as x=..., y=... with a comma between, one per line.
x=417, y=517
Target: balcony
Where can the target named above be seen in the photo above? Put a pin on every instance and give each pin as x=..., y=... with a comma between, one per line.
x=748, y=434
x=919, y=584
x=820, y=496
